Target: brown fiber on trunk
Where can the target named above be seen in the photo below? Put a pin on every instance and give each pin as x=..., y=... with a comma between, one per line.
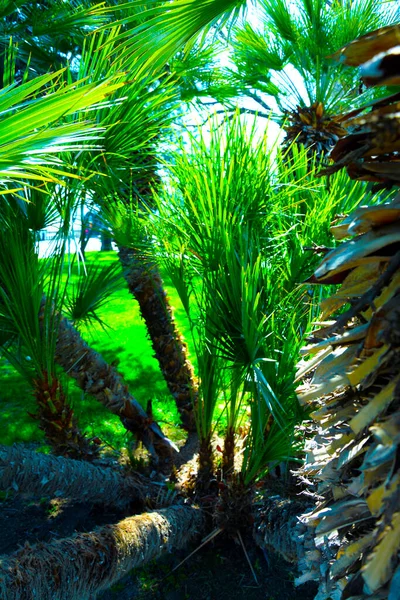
x=56, y=419
x=145, y=284
x=101, y=380
x=228, y=456
x=206, y=462
x=79, y=567
x=30, y=472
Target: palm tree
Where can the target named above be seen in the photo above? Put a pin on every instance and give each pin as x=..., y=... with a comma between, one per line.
x=82, y=565
x=130, y=143
x=283, y=65
x=285, y=60
x=42, y=134
x=355, y=387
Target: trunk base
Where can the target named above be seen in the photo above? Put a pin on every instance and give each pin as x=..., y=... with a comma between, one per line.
x=56, y=419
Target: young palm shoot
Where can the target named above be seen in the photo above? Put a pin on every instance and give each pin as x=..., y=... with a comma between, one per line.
x=214, y=247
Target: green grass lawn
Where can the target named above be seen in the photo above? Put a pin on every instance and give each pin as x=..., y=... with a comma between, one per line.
x=125, y=341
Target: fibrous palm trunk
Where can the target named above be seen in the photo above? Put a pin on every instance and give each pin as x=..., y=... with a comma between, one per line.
x=25, y=471
x=79, y=567
x=57, y=420
x=101, y=380
x=206, y=462
x=146, y=285
x=228, y=456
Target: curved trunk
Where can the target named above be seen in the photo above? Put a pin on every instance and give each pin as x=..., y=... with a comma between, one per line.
x=145, y=284
x=101, y=380
x=31, y=472
x=79, y=567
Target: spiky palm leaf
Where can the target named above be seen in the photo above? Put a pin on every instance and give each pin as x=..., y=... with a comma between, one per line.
x=30, y=326
x=48, y=34
x=355, y=385
x=232, y=244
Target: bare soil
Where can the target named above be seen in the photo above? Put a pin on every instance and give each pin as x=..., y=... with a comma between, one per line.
x=218, y=571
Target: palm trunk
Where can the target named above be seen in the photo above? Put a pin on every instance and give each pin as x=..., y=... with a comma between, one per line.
x=228, y=457
x=46, y=475
x=99, y=379
x=57, y=420
x=206, y=463
x=79, y=567
x=277, y=527
x=145, y=284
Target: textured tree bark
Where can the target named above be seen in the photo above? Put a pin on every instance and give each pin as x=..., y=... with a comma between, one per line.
x=56, y=419
x=279, y=527
x=26, y=471
x=79, y=567
x=145, y=284
x=228, y=456
x=101, y=380
x=206, y=463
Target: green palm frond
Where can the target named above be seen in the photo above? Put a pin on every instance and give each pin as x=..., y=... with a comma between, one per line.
x=137, y=119
x=49, y=34
x=264, y=449
x=167, y=27
x=32, y=125
x=198, y=71
x=90, y=293
x=37, y=204
x=287, y=56
x=24, y=280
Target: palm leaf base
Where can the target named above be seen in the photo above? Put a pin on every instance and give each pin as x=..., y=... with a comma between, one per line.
x=56, y=419
x=312, y=128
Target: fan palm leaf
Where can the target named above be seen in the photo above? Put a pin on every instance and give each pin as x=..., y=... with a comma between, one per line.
x=163, y=28
x=41, y=132
x=285, y=61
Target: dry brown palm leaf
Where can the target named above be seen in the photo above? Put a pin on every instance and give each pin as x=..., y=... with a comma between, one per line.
x=355, y=453
x=365, y=218
x=371, y=151
x=382, y=69
x=369, y=45
x=348, y=255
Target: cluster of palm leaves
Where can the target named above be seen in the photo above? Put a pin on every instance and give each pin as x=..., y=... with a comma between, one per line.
x=232, y=226
x=78, y=129
x=354, y=390
x=282, y=66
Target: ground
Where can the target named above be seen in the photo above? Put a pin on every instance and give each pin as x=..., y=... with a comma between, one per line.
x=217, y=571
